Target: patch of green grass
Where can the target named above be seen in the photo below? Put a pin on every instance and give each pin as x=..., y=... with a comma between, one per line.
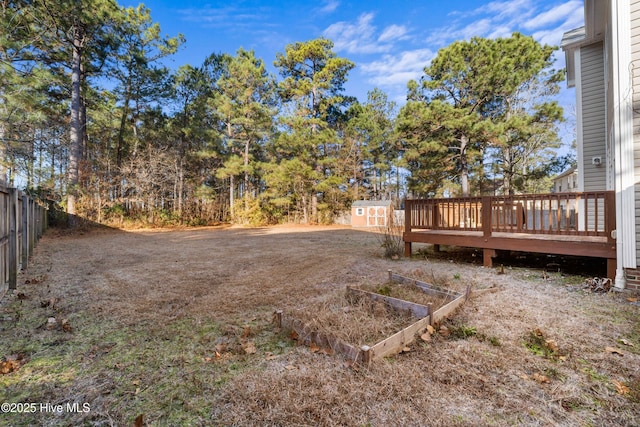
x=166, y=371
x=463, y=331
x=537, y=343
x=494, y=341
x=384, y=290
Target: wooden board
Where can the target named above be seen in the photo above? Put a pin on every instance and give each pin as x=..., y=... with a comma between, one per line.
x=389, y=346
x=417, y=310
x=448, y=309
x=424, y=286
x=306, y=336
x=396, y=342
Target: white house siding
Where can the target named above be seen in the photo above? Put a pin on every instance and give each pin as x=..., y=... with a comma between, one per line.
x=635, y=57
x=594, y=116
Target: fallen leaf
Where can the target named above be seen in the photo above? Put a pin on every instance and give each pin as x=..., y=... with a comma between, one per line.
x=246, y=332
x=221, y=348
x=431, y=329
x=613, y=350
x=249, y=347
x=426, y=337
x=621, y=388
x=405, y=350
x=12, y=363
x=444, y=331
x=327, y=351
x=293, y=335
x=270, y=356
x=139, y=421
x=551, y=345
x=314, y=348
x=632, y=299
x=207, y=359
x=66, y=326
x=625, y=342
x=290, y=367
x=540, y=378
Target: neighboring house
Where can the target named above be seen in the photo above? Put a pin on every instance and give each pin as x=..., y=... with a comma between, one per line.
x=566, y=182
x=371, y=213
x=602, y=58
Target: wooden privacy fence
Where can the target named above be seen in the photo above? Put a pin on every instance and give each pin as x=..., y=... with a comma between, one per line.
x=23, y=220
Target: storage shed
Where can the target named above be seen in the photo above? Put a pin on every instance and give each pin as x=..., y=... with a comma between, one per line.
x=371, y=213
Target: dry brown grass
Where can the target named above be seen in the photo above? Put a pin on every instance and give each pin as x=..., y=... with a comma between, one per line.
x=176, y=325
x=361, y=322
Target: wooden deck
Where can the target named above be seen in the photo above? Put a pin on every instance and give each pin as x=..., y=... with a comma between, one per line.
x=579, y=224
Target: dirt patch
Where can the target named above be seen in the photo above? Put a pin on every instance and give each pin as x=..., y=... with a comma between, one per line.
x=177, y=326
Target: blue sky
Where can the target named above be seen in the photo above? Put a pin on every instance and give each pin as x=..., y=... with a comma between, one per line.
x=389, y=41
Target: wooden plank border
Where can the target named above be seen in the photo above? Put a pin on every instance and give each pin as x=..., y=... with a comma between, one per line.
x=424, y=286
x=417, y=310
x=390, y=345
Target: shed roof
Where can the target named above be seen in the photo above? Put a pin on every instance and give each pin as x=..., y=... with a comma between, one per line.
x=360, y=203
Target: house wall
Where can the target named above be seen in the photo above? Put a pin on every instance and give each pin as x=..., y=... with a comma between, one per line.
x=566, y=184
x=635, y=57
x=594, y=134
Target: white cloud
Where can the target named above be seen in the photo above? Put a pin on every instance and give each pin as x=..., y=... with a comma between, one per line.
x=507, y=9
x=502, y=18
x=226, y=17
x=355, y=38
x=398, y=69
x=556, y=14
x=329, y=6
x=393, y=32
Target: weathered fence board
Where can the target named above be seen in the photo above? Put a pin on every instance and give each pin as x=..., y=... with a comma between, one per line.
x=22, y=223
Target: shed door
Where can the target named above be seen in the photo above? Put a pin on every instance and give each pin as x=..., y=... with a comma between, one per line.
x=376, y=216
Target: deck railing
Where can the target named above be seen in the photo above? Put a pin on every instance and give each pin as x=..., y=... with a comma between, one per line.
x=582, y=214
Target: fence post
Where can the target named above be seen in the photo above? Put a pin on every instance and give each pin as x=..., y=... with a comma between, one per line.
x=26, y=231
x=13, y=238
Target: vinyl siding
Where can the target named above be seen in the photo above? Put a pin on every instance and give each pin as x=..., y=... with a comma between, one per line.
x=635, y=56
x=594, y=116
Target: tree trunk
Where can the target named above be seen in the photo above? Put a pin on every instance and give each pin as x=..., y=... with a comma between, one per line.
x=232, y=190
x=246, y=176
x=75, y=150
x=464, y=166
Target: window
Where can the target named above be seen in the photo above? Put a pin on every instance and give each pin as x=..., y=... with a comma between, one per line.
x=360, y=211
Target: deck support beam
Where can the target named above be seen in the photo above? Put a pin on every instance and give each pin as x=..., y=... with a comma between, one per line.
x=487, y=257
x=407, y=249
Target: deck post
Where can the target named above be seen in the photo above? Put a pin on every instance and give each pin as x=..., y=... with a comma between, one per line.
x=486, y=216
x=611, y=268
x=407, y=227
x=487, y=257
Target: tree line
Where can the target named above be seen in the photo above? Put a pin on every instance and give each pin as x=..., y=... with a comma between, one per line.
x=90, y=117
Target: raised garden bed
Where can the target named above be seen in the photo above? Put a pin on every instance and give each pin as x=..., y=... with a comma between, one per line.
x=370, y=323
